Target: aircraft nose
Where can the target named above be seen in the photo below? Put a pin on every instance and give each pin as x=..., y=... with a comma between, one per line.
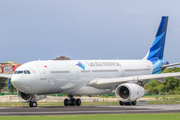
x=18, y=83
x=15, y=79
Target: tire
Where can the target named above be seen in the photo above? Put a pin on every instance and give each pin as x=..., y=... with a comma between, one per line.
x=30, y=104
x=121, y=103
x=134, y=102
x=127, y=103
x=34, y=104
x=66, y=102
x=78, y=102
x=73, y=102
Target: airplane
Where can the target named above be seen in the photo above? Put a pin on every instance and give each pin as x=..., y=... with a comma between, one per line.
x=126, y=78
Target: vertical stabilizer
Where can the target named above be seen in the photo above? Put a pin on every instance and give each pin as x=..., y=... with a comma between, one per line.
x=157, y=49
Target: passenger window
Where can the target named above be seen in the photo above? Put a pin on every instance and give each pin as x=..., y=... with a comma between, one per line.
x=15, y=72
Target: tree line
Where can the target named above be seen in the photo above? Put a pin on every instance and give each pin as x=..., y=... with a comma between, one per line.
x=171, y=86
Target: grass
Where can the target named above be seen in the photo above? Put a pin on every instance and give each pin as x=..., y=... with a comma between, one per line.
x=154, y=96
x=161, y=116
x=56, y=104
x=157, y=99
x=157, y=102
x=164, y=99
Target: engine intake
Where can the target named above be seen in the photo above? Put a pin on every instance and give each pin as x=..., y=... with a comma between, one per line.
x=24, y=97
x=124, y=92
x=129, y=92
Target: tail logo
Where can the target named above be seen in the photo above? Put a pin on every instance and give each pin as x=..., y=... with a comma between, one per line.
x=157, y=49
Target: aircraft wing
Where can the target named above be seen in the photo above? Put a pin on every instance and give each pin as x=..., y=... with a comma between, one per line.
x=5, y=75
x=105, y=83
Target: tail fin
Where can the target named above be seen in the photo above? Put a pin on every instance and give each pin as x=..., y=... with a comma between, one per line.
x=157, y=49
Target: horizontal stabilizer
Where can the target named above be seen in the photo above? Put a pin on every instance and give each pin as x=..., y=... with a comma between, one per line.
x=169, y=65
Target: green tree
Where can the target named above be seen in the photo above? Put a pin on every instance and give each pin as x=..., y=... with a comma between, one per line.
x=11, y=87
x=171, y=86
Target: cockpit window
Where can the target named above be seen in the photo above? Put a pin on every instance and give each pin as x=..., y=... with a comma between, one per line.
x=19, y=72
x=22, y=72
x=25, y=72
x=28, y=72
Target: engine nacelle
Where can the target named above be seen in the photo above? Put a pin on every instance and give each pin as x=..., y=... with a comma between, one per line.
x=129, y=92
x=23, y=97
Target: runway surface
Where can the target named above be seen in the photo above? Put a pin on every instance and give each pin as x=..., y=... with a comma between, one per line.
x=61, y=110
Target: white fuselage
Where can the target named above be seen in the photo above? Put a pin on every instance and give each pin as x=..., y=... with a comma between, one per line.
x=71, y=76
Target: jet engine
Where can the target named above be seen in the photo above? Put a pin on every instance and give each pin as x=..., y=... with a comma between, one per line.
x=23, y=97
x=129, y=92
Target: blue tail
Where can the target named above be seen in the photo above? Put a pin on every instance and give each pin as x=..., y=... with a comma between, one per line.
x=155, y=54
x=157, y=49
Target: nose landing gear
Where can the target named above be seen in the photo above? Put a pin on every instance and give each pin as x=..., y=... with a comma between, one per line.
x=72, y=101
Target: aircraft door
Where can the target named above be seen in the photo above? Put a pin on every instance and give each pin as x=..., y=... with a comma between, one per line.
x=73, y=72
x=77, y=72
x=121, y=71
x=42, y=73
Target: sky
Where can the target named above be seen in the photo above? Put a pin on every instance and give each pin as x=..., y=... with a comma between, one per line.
x=85, y=29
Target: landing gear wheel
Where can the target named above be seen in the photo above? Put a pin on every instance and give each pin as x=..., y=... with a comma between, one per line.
x=30, y=104
x=66, y=102
x=121, y=103
x=73, y=102
x=133, y=102
x=33, y=104
x=78, y=102
x=127, y=103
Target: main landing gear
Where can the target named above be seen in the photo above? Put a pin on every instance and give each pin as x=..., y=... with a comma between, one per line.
x=72, y=101
x=127, y=103
x=32, y=104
